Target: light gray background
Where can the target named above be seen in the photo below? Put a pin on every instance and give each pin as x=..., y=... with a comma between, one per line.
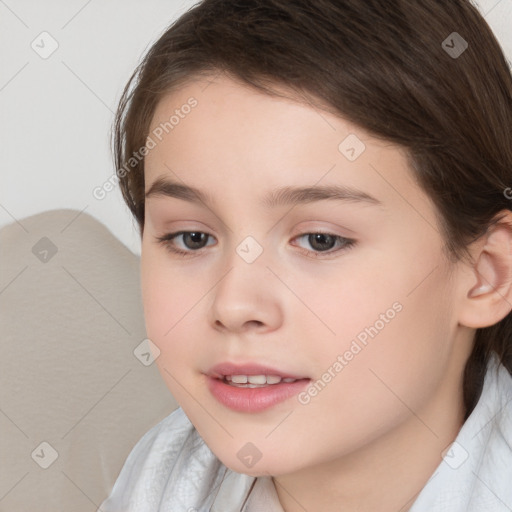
x=56, y=113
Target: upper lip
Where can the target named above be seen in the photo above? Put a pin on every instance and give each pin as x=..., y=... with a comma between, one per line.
x=219, y=371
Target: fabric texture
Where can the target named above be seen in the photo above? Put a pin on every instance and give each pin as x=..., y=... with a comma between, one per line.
x=172, y=470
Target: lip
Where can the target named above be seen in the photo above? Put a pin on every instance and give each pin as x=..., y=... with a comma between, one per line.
x=252, y=400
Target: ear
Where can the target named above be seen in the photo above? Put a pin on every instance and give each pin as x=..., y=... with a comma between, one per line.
x=488, y=286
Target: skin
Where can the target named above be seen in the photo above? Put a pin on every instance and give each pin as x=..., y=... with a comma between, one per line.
x=371, y=439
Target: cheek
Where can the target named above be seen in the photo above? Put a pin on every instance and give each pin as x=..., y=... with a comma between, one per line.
x=344, y=301
x=168, y=306
x=377, y=382
x=158, y=299
x=387, y=318
x=406, y=353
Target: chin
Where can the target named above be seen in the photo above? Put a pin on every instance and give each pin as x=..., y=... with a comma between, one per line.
x=260, y=468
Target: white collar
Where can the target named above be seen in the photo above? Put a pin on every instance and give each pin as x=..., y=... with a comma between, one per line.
x=476, y=472
x=247, y=494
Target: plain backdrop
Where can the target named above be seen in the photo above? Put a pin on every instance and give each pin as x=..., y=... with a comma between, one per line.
x=56, y=110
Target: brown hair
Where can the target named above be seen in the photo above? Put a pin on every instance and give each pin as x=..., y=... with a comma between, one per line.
x=385, y=65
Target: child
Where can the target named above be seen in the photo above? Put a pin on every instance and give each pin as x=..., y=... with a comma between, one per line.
x=372, y=374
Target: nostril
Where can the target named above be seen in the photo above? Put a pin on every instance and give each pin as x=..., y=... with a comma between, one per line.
x=249, y=323
x=255, y=323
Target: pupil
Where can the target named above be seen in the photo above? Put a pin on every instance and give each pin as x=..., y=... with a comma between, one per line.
x=317, y=241
x=196, y=239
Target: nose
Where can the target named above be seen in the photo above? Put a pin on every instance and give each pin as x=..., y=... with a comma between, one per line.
x=246, y=298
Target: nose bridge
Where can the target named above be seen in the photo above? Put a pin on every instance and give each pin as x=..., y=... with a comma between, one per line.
x=246, y=271
x=244, y=293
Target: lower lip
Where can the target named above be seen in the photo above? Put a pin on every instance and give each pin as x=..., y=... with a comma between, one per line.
x=254, y=399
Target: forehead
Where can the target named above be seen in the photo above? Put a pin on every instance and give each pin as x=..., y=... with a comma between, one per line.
x=222, y=136
x=239, y=111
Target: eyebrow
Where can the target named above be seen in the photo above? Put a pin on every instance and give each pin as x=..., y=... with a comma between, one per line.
x=282, y=196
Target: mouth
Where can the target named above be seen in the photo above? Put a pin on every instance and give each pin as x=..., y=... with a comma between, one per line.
x=252, y=388
x=255, y=381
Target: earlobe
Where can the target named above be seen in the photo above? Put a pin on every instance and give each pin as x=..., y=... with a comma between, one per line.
x=489, y=293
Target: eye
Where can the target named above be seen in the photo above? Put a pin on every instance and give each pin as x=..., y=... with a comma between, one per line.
x=324, y=242
x=193, y=241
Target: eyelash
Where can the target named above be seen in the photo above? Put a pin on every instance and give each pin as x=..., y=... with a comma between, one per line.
x=167, y=239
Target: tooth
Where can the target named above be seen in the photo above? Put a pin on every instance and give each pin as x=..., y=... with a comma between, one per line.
x=239, y=379
x=288, y=379
x=273, y=379
x=257, y=379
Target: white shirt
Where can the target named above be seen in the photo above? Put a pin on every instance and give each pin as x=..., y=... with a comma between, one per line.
x=171, y=469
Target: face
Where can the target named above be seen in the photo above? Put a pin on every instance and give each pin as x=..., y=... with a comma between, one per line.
x=348, y=298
